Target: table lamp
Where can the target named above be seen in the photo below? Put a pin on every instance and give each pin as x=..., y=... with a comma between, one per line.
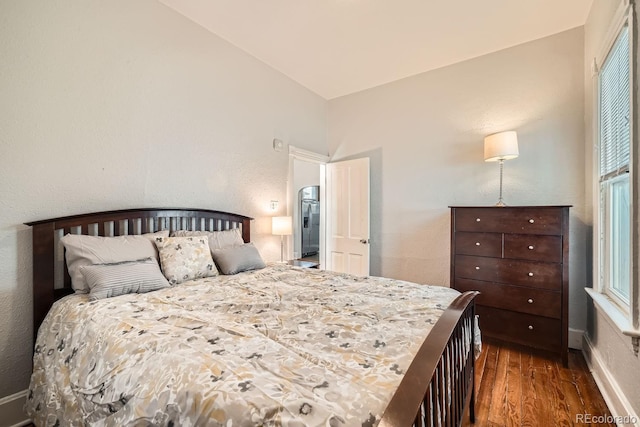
x=498, y=148
x=281, y=226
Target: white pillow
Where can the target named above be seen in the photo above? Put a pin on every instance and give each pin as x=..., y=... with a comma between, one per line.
x=112, y=280
x=185, y=258
x=87, y=250
x=217, y=239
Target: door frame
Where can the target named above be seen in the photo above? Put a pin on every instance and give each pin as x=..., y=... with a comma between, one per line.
x=296, y=153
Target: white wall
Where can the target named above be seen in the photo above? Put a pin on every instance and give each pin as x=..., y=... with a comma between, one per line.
x=612, y=350
x=425, y=133
x=119, y=104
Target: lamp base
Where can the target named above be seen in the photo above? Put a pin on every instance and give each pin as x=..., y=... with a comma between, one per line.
x=282, y=261
x=501, y=203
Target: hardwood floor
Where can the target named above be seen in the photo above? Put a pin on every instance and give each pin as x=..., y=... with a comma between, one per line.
x=519, y=387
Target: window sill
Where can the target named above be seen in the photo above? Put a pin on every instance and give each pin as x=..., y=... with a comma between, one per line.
x=616, y=316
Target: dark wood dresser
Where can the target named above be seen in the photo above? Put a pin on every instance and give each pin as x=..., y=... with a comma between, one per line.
x=518, y=258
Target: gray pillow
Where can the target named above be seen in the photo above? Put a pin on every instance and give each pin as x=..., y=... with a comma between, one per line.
x=236, y=259
x=111, y=280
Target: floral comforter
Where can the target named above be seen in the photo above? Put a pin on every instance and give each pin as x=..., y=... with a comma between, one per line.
x=278, y=346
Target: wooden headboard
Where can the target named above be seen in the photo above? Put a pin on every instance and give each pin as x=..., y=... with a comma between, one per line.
x=51, y=280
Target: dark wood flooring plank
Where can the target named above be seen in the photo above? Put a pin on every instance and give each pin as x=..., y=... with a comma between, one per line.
x=498, y=409
x=593, y=401
x=481, y=361
x=574, y=403
x=513, y=415
x=531, y=405
x=558, y=396
x=485, y=379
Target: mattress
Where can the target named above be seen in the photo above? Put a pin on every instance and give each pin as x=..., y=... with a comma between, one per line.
x=277, y=346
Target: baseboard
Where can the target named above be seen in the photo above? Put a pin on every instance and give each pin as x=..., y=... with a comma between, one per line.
x=575, y=338
x=11, y=412
x=614, y=397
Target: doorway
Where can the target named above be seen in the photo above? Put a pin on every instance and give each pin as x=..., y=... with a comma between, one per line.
x=310, y=215
x=342, y=211
x=306, y=193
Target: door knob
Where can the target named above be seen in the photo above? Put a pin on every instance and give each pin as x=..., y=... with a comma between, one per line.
x=364, y=241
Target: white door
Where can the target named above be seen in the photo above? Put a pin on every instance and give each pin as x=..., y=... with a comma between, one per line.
x=347, y=226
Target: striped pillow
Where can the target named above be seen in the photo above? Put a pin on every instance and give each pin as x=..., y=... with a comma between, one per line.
x=111, y=280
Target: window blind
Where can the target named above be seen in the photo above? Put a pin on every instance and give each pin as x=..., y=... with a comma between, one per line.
x=615, y=109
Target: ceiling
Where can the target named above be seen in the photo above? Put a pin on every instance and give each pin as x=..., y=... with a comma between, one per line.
x=337, y=47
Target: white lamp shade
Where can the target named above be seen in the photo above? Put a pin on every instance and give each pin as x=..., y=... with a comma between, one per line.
x=282, y=225
x=501, y=146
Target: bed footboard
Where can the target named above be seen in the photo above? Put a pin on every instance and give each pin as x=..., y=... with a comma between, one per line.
x=439, y=384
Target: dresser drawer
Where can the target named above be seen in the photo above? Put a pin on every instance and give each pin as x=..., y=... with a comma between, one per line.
x=544, y=275
x=537, y=248
x=521, y=328
x=515, y=298
x=509, y=220
x=481, y=244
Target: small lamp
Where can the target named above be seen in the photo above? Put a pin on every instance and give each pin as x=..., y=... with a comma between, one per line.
x=498, y=148
x=281, y=226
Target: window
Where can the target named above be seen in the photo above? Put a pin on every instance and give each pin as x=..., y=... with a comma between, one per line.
x=616, y=291
x=614, y=114
x=617, y=239
x=615, y=144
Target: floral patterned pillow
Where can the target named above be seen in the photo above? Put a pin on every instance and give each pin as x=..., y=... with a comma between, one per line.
x=185, y=258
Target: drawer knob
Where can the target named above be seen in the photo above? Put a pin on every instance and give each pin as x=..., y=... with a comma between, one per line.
x=530, y=274
x=477, y=243
x=477, y=219
x=530, y=301
x=530, y=247
x=477, y=268
x=531, y=221
x=531, y=327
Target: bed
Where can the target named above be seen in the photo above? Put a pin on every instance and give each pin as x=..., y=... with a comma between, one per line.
x=274, y=346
